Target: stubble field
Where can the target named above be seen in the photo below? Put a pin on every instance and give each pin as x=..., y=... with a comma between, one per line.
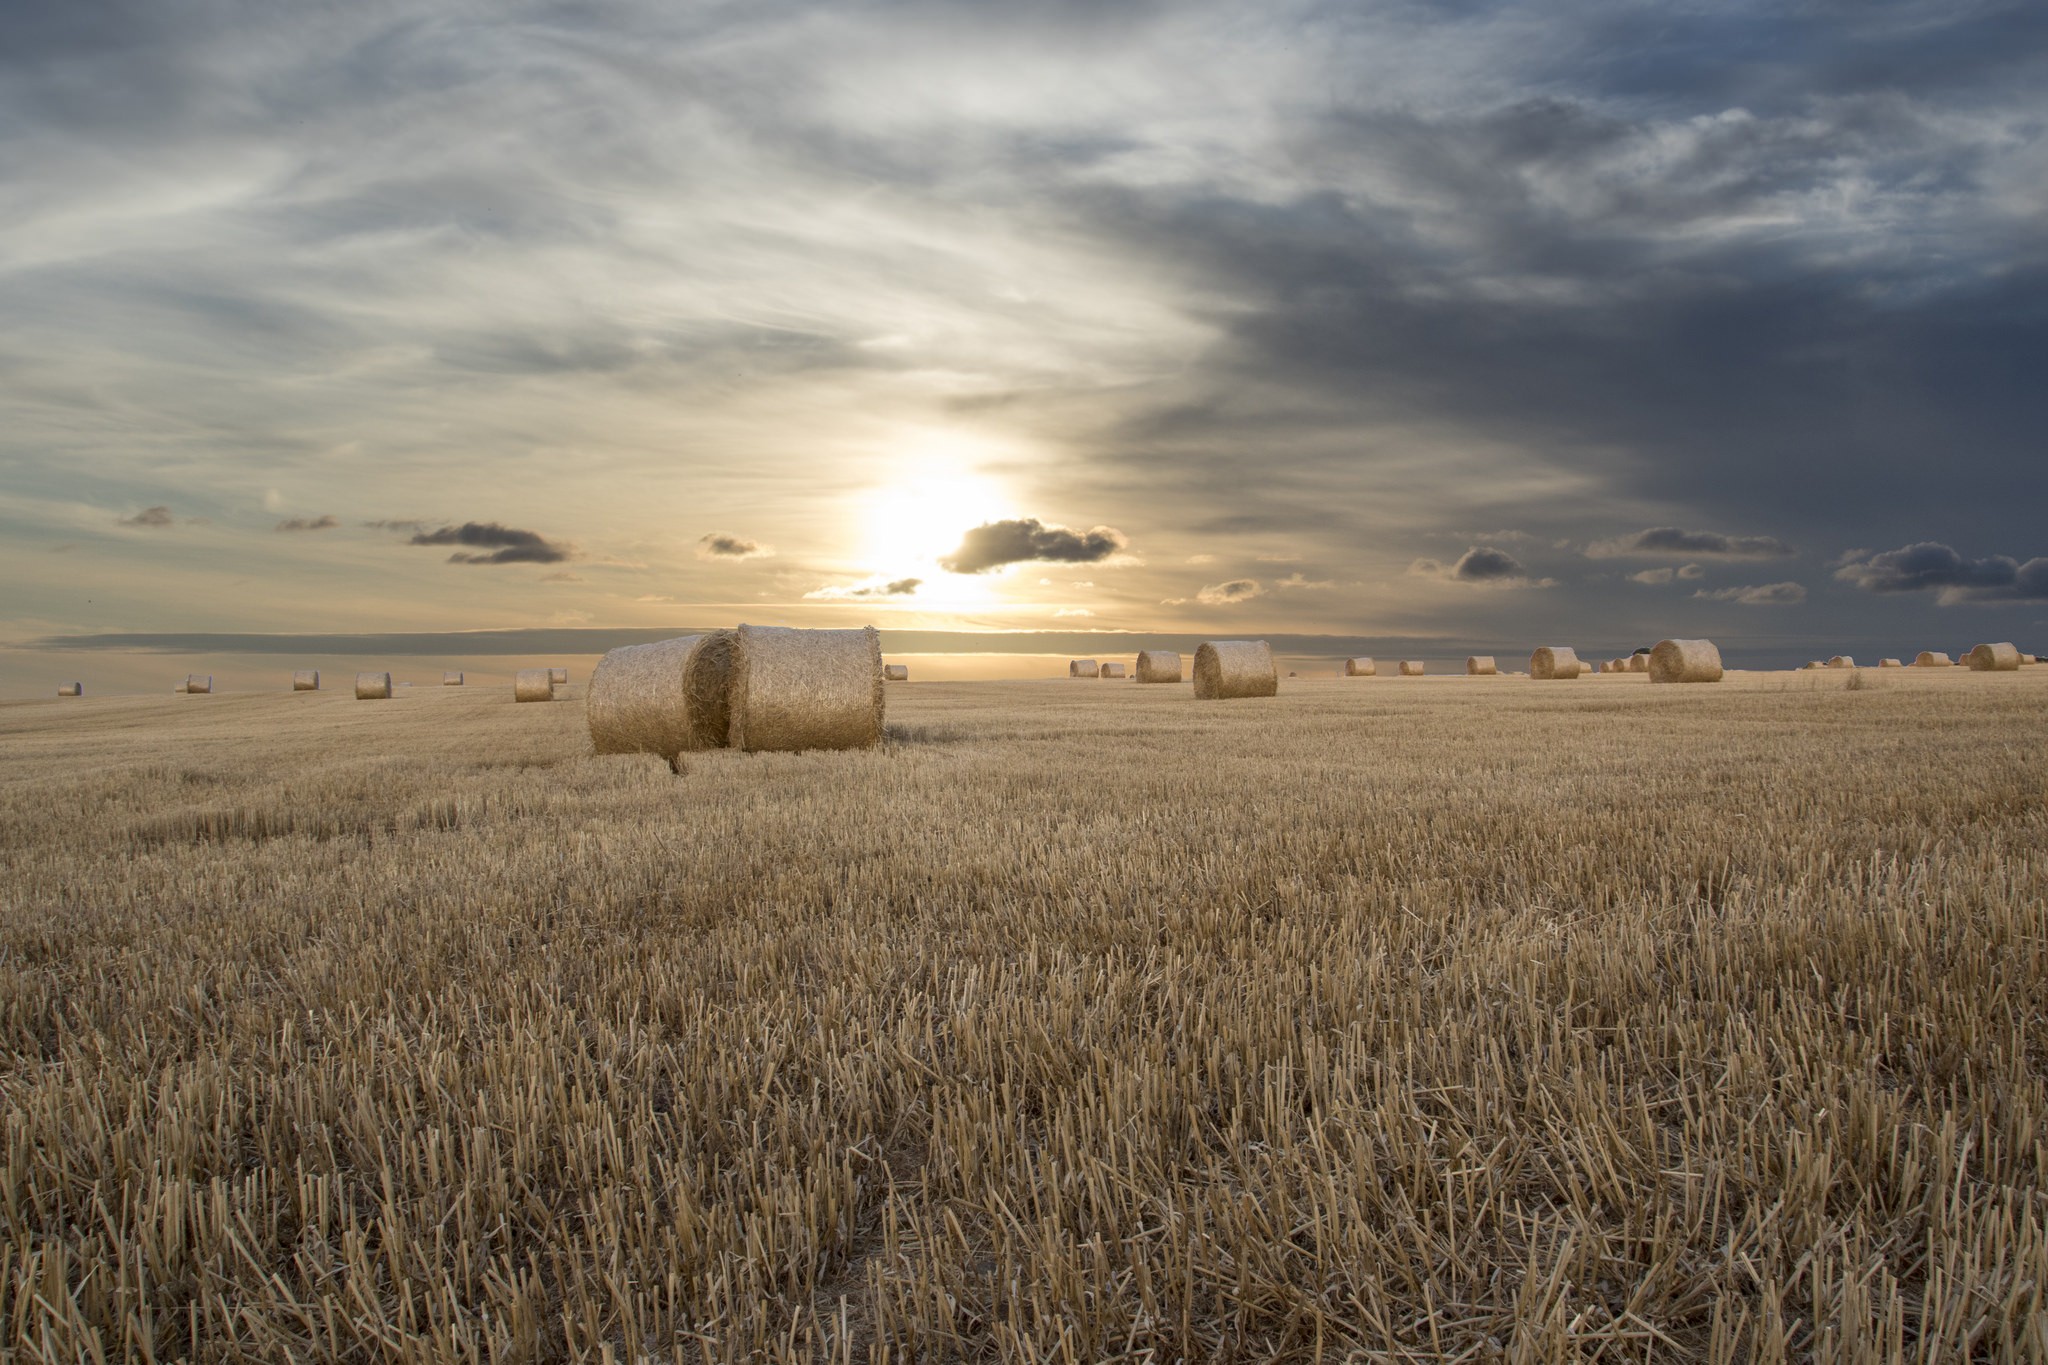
x=1386, y=1019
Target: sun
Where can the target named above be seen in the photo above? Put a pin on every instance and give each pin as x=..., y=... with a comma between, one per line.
x=915, y=522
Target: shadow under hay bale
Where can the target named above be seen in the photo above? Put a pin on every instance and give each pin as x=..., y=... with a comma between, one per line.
x=306, y=680
x=533, y=684
x=1225, y=669
x=1360, y=668
x=1553, y=662
x=805, y=689
x=1480, y=666
x=373, y=686
x=1684, y=661
x=1158, y=666
x=665, y=698
x=1998, y=658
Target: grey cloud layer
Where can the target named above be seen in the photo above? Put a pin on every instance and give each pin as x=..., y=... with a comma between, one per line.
x=997, y=543
x=1671, y=542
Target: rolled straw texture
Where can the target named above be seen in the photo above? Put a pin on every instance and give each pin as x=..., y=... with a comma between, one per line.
x=895, y=672
x=195, y=682
x=306, y=680
x=1158, y=666
x=1360, y=668
x=1889, y=663
x=71, y=689
x=805, y=689
x=1083, y=668
x=532, y=684
x=1113, y=670
x=373, y=686
x=1999, y=658
x=665, y=698
x=451, y=680
x=1481, y=666
x=1555, y=661
x=1842, y=661
x=1639, y=663
x=1235, y=668
x=1684, y=661
x=558, y=676
x=1413, y=668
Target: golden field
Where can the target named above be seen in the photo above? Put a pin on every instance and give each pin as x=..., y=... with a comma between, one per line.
x=1383, y=1020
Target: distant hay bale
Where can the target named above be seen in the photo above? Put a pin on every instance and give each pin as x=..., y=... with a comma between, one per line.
x=1413, y=668
x=559, y=677
x=665, y=698
x=533, y=684
x=306, y=680
x=1481, y=666
x=1998, y=658
x=1638, y=663
x=71, y=689
x=1083, y=668
x=806, y=689
x=895, y=672
x=1225, y=669
x=451, y=679
x=1889, y=663
x=1930, y=658
x=1683, y=661
x=1812, y=664
x=1360, y=668
x=195, y=682
x=373, y=686
x=1553, y=662
x=1842, y=661
x=1158, y=666
x=1113, y=670
x=2030, y=659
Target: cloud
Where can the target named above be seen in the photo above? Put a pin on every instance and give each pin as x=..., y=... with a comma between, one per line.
x=1674, y=543
x=993, y=544
x=150, y=518
x=1072, y=611
x=1236, y=590
x=1691, y=571
x=719, y=545
x=901, y=587
x=397, y=524
x=1201, y=559
x=1481, y=566
x=1652, y=576
x=561, y=576
x=1933, y=566
x=322, y=523
x=504, y=544
x=1298, y=579
x=1760, y=595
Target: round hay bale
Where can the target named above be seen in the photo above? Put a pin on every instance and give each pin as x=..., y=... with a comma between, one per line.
x=1684, y=661
x=1360, y=668
x=2030, y=658
x=1998, y=658
x=533, y=684
x=559, y=677
x=195, y=682
x=71, y=689
x=1158, y=666
x=1413, y=668
x=1481, y=666
x=373, y=686
x=306, y=680
x=1235, y=668
x=451, y=679
x=1555, y=661
x=895, y=672
x=1083, y=668
x=1639, y=662
x=1889, y=663
x=665, y=698
x=805, y=689
x=1113, y=670
x=1842, y=661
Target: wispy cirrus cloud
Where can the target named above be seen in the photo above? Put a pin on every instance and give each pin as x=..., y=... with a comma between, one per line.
x=898, y=587
x=1757, y=595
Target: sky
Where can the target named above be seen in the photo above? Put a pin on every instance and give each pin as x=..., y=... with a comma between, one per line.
x=1468, y=324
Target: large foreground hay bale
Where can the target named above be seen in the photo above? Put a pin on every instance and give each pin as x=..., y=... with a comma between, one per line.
x=1360, y=668
x=806, y=689
x=1683, y=661
x=1555, y=661
x=1480, y=666
x=1235, y=668
x=1413, y=668
x=558, y=677
x=1112, y=670
x=452, y=678
x=1083, y=668
x=1842, y=661
x=306, y=680
x=195, y=682
x=665, y=698
x=71, y=689
x=1998, y=658
x=1158, y=666
x=533, y=684
x=896, y=673
x=373, y=686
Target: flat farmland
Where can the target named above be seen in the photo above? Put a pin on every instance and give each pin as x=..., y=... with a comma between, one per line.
x=1387, y=1019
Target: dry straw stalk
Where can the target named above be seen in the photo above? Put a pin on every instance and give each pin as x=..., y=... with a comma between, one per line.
x=664, y=698
x=1158, y=666
x=806, y=689
x=373, y=686
x=1360, y=668
x=306, y=680
x=1998, y=658
x=533, y=684
x=1554, y=661
x=1235, y=668
x=896, y=673
x=1083, y=668
x=1481, y=666
x=1684, y=661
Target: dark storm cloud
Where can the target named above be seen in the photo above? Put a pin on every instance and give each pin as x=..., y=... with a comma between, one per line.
x=1671, y=542
x=996, y=543
x=150, y=518
x=1481, y=566
x=719, y=545
x=494, y=544
x=1931, y=566
x=321, y=523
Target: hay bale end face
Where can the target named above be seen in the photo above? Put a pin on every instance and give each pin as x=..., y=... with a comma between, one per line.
x=71, y=689
x=805, y=689
x=373, y=686
x=1481, y=666
x=665, y=698
x=1555, y=661
x=1413, y=668
x=1158, y=666
x=1113, y=670
x=1083, y=668
x=1684, y=661
x=1998, y=658
x=896, y=673
x=306, y=680
x=1225, y=669
x=196, y=682
x=451, y=679
x=1360, y=668
x=532, y=684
